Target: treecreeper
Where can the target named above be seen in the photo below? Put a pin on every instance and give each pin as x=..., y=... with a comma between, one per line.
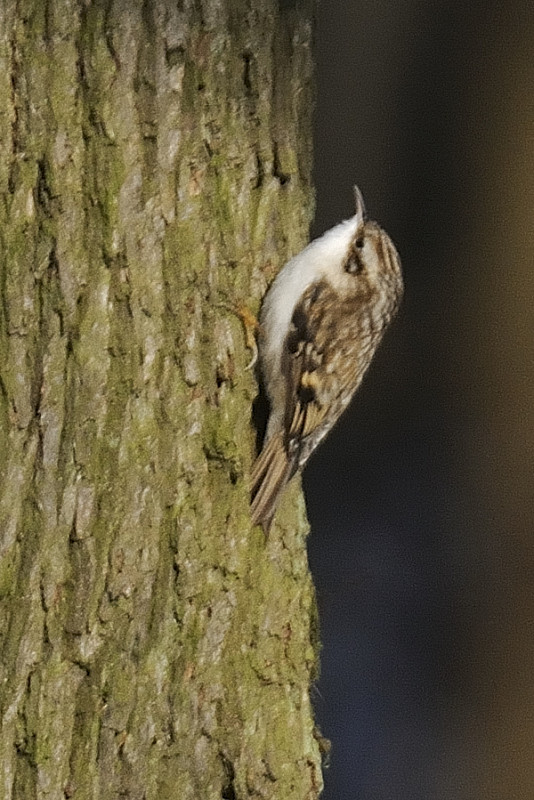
x=320, y=325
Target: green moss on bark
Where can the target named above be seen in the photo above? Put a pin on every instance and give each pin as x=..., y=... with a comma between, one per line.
x=154, y=169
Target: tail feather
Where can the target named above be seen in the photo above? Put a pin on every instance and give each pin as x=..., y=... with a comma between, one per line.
x=270, y=473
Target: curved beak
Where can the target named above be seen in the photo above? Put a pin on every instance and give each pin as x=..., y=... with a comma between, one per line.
x=361, y=213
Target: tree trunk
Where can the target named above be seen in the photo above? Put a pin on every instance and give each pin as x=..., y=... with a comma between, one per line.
x=155, y=166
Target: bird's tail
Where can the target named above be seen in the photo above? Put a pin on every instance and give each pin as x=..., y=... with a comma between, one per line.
x=270, y=473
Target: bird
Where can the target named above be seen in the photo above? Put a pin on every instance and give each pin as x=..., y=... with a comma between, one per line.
x=320, y=324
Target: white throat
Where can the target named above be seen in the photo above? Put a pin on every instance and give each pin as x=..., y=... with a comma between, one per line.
x=320, y=259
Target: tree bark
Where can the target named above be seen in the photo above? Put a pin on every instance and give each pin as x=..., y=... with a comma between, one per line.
x=155, y=164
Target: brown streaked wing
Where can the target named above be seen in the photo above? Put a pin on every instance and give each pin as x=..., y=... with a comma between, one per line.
x=302, y=363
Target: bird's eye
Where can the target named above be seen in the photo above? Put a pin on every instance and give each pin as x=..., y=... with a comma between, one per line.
x=359, y=242
x=353, y=265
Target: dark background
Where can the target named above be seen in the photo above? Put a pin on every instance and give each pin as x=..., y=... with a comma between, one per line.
x=421, y=500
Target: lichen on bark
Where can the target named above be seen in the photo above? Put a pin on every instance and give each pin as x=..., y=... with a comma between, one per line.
x=154, y=168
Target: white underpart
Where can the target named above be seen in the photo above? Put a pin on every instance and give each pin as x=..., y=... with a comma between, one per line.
x=321, y=259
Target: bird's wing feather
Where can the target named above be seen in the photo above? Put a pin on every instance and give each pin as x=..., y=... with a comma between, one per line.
x=304, y=364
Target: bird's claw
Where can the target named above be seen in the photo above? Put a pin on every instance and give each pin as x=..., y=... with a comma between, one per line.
x=250, y=327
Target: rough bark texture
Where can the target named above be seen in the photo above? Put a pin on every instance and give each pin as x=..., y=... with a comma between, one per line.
x=154, y=167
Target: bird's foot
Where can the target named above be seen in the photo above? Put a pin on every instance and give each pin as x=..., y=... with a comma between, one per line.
x=250, y=326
